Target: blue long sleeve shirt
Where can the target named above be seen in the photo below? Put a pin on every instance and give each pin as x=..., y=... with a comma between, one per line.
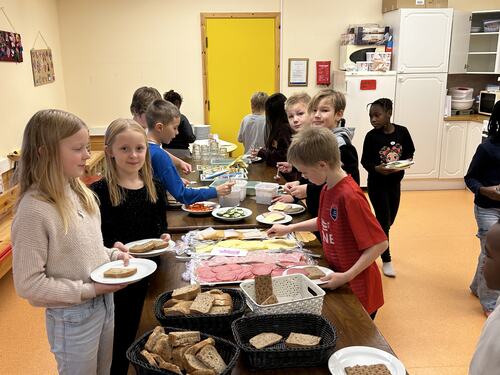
x=164, y=170
x=484, y=170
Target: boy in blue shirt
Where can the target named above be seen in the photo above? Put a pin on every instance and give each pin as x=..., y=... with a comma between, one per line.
x=163, y=120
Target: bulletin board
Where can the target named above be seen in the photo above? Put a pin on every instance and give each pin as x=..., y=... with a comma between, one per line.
x=43, y=66
x=11, y=47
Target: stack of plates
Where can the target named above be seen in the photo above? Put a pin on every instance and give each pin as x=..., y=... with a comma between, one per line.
x=201, y=131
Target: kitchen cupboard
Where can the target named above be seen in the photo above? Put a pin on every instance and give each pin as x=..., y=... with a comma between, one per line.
x=474, y=51
x=459, y=143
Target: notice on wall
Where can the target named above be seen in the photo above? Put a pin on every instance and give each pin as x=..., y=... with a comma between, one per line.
x=11, y=47
x=298, y=72
x=43, y=67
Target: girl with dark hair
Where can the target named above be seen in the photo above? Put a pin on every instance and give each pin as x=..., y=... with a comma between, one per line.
x=278, y=133
x=385, y=143
x=483, y=179
x=179, y=146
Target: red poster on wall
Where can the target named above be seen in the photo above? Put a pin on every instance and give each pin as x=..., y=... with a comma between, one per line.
x=323, y=72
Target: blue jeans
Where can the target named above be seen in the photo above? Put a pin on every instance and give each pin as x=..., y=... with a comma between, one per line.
x=81, y=336
x=485, y=218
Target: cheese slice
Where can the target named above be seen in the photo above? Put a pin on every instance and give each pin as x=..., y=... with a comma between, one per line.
x=274, y=216
x=280, y=206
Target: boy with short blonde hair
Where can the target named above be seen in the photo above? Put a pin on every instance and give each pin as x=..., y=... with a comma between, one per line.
x=352, y=237
x=296, y=110
x=253, y=126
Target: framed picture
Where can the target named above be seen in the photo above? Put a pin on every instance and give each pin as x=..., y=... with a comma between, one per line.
x=42, y=66
x=298, y=70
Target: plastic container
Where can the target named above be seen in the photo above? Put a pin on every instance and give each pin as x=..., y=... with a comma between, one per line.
x=461, y=103
x=491, y=26
x=265, y=191
x=232, y=199
x=362, y=66
x=461, y=93
x=242, y=184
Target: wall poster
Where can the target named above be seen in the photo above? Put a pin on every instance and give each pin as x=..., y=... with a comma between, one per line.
x=42, y=65
x=11, y=48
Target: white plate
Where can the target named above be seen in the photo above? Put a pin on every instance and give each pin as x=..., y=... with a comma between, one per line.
x=363, y=355
x=145, y=267
x=262, y=219
x=292, y=205
x=152, y=253
x=249, y=159
x=247, y=212
x=327, y=271
x=200, y=213
x=399, y=164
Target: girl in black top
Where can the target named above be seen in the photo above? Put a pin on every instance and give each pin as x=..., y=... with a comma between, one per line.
x=385, y=143
x=133, y=207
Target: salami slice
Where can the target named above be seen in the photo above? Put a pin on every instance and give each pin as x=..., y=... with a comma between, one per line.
x=227, y=276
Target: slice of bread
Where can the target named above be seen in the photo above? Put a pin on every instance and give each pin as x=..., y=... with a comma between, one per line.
x=180, y=308
x=187, y=293
x=221, y=310
x=162, y=348
x=193, y=364
x=314, y=273
x=214, y=291
x=280, y=206
x=202, y=303
x=161, y=363
x=149, y=357
x=178, y=355
x=183, y=338
x=142, y=248
x=305, y=236
x=223, y=299
x=301, y=340
x=265, y=339
x=195, y=348
x=211, y=358
x=159, y=244
x=273, y=216
x=120, y=272
x=378, y=369
x=153, y=337
x=171, y=302
x=263, y=288
x=208, y=371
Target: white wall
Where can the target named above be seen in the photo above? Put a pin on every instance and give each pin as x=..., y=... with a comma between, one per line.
x=19, y=98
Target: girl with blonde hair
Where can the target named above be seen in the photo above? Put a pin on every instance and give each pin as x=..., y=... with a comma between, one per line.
x=57, y=243
x=133, y=207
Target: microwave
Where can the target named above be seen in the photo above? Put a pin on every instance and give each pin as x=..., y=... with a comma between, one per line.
x=487, y=100
x=351, y=53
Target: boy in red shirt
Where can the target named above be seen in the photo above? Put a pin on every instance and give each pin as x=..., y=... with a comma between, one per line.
x=352, y=237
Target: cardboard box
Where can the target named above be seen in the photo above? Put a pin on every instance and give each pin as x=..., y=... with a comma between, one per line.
x=388, y=5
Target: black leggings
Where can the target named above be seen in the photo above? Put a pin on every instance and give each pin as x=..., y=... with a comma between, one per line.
x=385, y=202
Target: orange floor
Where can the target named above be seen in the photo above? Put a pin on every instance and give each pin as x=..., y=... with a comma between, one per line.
x=429, y=318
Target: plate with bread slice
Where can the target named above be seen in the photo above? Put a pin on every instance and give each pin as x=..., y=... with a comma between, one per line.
x=312, y=272
x=364, y=360
x=273, y=217
x=149, y=248
x=117, y=273
x=287, y=208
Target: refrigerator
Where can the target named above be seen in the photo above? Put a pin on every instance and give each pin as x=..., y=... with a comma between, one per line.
x=361, y=89
x=420, y=58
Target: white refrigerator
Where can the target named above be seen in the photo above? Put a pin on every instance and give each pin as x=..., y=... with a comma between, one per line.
x=361, y=89
x=420, y=58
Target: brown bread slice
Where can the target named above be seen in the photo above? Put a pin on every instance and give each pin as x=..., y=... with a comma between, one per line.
x=221, y=310
x=202, y=304
x=159, y=244
x=183, y=338
x=142, y=248
x=378, y=369
x=265, y=339
x=271, y=300
x=163, y=348
x=211, y=358
x=208, y=371
x=120, y=272
x=171, y=302
x=180, y=308
x=149, y=357
x=192, y=363
x=223, y=299
x=263, y=288
x=153, y=337
x=301, y=340
x=166, y=365
x=187, y=293
x=193, y=349
x=314, y=272
x=178, y=355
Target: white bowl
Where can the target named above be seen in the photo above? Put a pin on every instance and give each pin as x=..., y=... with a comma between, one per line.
x=461, y=103
x=461, y=93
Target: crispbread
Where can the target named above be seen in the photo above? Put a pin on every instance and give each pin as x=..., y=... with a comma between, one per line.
x=301, y=340
x=263, y=288
x=142, y=248
x=265, y=339
x=211, y=358
x=314, y=273
x=378, y=369
x=187, y=293
x=120, y=272
x=202, y=303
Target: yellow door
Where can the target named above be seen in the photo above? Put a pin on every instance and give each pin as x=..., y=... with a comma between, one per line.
x=241, y=58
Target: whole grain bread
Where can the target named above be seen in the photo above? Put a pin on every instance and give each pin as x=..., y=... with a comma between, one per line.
x=211, y=358
x=163, y=348
x=378, y=369
x=202, y=303
x=153, y=337
x=161, y=363
x=271, y=300
x=159, y=244
x=142, y=248
x=192, y=363
x=263, y=288
x=301, y=340
x=223, y=299
x=187, y=293
x=314, y=272
x=149, y=357
x=221, y=310
x=180, y=308
x=265, y=339
x=178, y=355
x=183, y=338
x=120, y=272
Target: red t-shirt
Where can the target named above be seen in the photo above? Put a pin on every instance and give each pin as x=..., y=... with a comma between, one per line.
x=348, y=227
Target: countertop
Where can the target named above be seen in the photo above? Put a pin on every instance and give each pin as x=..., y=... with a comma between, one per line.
x=475, y=117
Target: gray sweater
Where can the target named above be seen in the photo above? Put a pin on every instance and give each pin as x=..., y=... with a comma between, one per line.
x=52, y=268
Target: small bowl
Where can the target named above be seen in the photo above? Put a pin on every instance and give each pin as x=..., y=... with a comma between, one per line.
x=476, y=29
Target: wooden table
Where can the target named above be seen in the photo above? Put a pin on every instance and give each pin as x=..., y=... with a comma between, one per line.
x=341, y=307
x=181, y=222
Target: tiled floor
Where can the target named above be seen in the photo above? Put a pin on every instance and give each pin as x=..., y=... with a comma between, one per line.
x=429, y=318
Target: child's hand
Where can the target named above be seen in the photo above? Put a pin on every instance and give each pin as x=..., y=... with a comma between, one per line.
x=491, y=192
x=286, y=198
x=385, y=171
x=165, y=237
x=225, y=188
x=185, y=167
x=334, y=280
x=278, y=230
x=284, y=167
x=107, y=288
x=299, y=191
x=290, y=185
x=254, y=152
x=125, y=256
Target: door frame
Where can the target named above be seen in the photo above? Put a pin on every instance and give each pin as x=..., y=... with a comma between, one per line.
x=277, y=27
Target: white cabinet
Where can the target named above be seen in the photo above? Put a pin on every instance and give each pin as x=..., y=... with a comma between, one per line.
x=419, y=105
x=474, y=138
x=474, y=49
x=453, y=149
x=421, y=39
